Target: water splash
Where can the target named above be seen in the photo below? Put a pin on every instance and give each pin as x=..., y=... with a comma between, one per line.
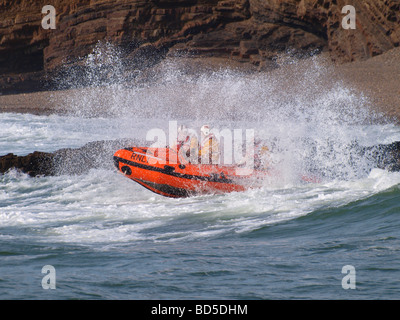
x=308, y=115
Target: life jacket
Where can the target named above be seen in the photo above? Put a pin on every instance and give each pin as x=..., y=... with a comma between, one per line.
x=209, y=149
x=261, y=156
x=188, y=149
x=181, y=143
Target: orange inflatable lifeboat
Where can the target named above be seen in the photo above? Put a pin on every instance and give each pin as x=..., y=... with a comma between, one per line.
x=159, y=170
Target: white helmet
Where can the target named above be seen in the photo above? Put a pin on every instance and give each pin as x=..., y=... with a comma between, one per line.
x=182, y=133
x=205, y=130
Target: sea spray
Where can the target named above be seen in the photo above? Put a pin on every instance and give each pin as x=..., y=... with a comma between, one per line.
x=309, y=117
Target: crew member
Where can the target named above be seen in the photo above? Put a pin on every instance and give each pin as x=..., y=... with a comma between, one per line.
x=261, y=155
x=187, y=146
x=209, y=148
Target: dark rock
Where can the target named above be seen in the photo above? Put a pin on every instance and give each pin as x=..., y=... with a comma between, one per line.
x=68, y=161
x=34, y=164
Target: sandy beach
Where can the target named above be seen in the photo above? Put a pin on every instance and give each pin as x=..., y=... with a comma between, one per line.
x=378, y=78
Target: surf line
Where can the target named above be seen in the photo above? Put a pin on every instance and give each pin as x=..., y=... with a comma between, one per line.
x=159, y=310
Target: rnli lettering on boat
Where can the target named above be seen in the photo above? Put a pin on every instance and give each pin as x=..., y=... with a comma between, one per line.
x=138, y=157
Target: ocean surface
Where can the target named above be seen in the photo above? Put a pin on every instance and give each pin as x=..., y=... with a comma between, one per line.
x=109, y=238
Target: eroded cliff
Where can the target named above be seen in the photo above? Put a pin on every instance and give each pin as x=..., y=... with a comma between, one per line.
x=249, y=31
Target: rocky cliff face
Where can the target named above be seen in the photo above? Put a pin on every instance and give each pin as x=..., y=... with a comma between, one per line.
x=250, y=31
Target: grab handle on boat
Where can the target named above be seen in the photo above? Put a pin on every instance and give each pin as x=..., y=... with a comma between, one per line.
x=168, y=168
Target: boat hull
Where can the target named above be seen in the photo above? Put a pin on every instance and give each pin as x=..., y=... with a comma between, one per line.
x=158, y=170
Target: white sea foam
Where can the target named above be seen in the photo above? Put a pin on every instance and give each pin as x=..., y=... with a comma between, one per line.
x=104, y=208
